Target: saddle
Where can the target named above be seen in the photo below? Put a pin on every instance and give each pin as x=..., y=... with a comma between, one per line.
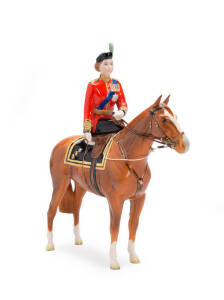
x=82, y=155
x=100, y=142
x=102, y=139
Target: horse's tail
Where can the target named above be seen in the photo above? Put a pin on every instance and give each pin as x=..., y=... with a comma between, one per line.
x=67, y=203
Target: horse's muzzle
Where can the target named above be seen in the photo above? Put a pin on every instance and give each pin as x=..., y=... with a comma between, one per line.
x=187, y=143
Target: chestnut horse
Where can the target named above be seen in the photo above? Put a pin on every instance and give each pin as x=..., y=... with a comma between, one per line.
x=126, y=174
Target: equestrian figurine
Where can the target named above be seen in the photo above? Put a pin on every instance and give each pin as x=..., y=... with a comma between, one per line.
x=101, y=96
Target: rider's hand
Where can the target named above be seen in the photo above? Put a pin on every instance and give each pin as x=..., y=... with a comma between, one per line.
x=88, y=137
x=118, y=115
x=115, y=97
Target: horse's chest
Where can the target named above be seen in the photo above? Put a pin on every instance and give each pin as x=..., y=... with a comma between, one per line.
x=133, y=183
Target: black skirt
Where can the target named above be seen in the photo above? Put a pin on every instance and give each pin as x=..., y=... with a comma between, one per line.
x=105, y=126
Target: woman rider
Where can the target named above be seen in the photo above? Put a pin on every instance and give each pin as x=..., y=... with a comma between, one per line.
x=101, y=96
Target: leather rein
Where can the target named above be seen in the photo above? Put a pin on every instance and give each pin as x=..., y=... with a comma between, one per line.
x=164, y=140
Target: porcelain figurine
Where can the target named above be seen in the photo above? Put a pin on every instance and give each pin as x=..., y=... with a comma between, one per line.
x=119, y=170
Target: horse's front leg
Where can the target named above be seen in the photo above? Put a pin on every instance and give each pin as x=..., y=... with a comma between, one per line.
x=136, y=204
x=78, y=195
x=116, y=206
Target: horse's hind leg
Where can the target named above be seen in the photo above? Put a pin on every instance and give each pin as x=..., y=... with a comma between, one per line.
x=58, y=193
x=78, y=195
x=136, y=203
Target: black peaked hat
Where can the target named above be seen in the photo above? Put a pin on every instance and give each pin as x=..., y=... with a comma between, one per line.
x=106, y=55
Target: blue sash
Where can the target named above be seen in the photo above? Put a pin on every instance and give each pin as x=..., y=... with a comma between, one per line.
x=108, y=97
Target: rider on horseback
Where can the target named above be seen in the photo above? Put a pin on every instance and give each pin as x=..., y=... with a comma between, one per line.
x=101, y=96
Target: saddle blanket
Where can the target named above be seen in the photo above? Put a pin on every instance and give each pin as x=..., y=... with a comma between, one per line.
x=77, y=149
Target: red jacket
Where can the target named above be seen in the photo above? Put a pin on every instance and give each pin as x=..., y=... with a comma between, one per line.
x=97, y=91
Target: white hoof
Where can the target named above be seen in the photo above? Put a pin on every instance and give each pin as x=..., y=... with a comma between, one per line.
x=115, y=266
x=133, y=256
x=50, y=244
x=78, y=239
x=78, y=242
x=134, y=260
x=50, y=247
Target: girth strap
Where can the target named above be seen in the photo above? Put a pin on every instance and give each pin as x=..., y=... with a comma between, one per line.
x=93, y=177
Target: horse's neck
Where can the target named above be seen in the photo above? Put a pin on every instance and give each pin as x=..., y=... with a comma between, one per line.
x=135, y=145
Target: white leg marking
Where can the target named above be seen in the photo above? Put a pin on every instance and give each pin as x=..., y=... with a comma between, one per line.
x=50, y=244
x=78, y=240
x=113, y=257
x=73, y=185
x=133, y=256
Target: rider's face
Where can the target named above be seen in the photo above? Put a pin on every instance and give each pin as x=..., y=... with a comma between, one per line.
x=106, y=67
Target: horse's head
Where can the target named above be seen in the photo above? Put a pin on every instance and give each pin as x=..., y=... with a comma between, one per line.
x=164, y=125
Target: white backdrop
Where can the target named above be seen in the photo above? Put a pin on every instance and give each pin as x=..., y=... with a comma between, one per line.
x=47, y=53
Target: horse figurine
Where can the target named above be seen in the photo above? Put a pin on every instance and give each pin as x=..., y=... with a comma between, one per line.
x=126, y=174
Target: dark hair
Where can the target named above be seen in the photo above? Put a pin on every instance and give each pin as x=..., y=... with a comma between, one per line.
x=97, y=66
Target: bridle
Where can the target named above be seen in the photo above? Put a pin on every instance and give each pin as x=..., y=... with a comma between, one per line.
x=164, y=139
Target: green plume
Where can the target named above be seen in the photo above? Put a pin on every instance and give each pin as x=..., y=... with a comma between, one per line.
x=111, y=47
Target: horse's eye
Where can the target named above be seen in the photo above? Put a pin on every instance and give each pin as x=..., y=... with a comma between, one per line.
x=164, y=120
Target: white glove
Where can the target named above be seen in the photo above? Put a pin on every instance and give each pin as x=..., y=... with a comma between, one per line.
x=115, y=97
x=88, y=137
x=118, y=115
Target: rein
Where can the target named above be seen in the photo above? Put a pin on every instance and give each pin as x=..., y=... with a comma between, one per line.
x=164, y=140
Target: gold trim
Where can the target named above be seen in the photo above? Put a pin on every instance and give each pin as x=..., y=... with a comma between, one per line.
x=107, y=87
x=104, y=78
x=86, y=164
x=87, y=125
x=103, y=111
x=94, y=80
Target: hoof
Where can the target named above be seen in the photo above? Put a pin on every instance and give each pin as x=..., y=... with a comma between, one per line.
x=50, y=247
x=115, y=266
x=78, y=242
x=134, y=260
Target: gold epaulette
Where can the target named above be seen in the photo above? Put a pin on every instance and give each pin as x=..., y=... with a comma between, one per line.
x=87, y=125
x=94, y=80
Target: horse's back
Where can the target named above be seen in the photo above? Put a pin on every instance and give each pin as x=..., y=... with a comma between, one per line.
x=63, y=144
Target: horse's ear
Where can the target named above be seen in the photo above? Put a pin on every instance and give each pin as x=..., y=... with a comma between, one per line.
x=157, y=101
x=166, y=101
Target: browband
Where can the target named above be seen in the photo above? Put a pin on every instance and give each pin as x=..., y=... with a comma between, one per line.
x=156, y=109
